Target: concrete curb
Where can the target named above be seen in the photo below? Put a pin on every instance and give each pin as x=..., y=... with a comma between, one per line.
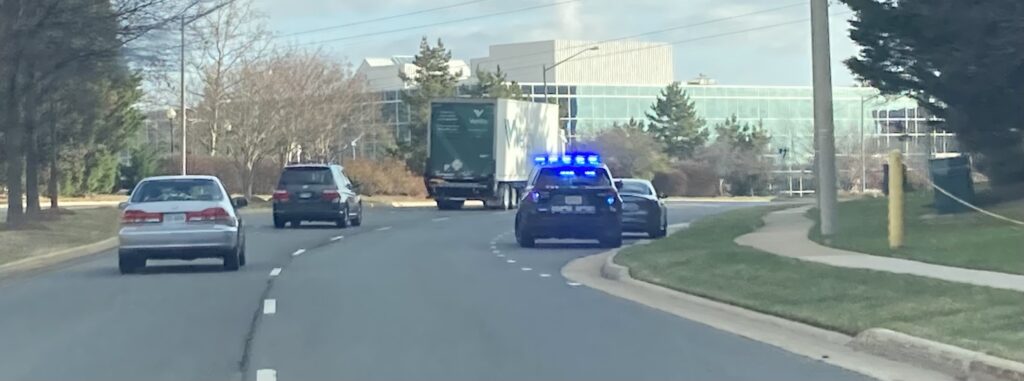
x=963, y=364
x=56, y=257
x=612, y=271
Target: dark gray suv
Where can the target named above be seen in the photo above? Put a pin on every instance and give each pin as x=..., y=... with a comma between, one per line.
x=316, y=192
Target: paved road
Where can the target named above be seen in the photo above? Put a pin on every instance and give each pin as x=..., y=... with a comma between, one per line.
x=412, y=294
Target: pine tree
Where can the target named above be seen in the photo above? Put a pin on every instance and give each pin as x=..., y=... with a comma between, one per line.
x=433, y=79
x=494, y=85
x=673, y=122
x=961, y=60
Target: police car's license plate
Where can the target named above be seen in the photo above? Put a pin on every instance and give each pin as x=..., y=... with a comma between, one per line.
x=573, y=200
x=569, y=209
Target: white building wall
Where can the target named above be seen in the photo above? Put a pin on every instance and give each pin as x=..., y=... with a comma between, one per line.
x=614, y=63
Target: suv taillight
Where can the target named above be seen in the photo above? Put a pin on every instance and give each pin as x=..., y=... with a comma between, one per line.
x=211, y=215
x=138, y=217
x=331, y=194
x=280, y=195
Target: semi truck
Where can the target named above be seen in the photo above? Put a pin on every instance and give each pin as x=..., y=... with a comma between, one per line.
x=483, y=149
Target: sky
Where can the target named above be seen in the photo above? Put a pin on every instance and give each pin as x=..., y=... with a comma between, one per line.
x=720, y=49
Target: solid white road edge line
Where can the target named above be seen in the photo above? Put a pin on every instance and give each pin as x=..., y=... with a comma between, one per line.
x=338, y=238
x=269, y=306
x=266, y=375
x=275, y=272
x=383, y=228
x=439, y=219
x=298, y=252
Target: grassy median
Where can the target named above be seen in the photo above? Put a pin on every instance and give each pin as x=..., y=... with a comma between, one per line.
x=705, y=261
x=73, y=228
x=969, y=240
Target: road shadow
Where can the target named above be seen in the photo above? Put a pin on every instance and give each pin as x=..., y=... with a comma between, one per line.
x=181, y=269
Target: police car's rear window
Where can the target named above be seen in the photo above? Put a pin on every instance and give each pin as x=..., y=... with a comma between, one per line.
x=572, y=176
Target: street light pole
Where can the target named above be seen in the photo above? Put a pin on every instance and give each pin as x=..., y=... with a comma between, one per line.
x=184, y=116
x=823, y=117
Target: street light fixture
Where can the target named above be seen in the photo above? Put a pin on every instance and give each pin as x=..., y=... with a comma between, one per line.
x=548, y=68
x=171, y=114
x=544, y=74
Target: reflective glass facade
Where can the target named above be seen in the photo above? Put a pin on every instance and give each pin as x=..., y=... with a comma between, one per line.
x=867, y=126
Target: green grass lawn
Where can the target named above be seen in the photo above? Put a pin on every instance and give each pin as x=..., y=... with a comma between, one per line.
x=705, y=261
x=969, y=240
x=75, y=228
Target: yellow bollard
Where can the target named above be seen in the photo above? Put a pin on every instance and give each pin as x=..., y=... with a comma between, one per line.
x=895, y=200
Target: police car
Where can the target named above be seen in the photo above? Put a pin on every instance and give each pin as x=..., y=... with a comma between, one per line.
x=570, y=196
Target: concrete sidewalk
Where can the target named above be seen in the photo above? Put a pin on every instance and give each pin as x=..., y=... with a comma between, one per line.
x=785, y=234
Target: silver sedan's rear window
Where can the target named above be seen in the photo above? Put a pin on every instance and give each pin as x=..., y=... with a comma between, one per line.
x=178, y=190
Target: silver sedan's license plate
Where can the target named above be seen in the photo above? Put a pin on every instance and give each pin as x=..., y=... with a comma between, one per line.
x=305, y=194
x=573, y=200
x=174, y=218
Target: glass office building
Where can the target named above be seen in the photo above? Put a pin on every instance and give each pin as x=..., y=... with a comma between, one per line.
x=867, y=125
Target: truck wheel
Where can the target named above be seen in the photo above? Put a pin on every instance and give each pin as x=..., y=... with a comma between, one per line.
x=342, y=222
x=506, y=196
x=515, y=198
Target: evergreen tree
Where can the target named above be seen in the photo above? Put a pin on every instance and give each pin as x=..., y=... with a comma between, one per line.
x=961, y=60
x=673, y=122
x=494, y=85
x=433, y=79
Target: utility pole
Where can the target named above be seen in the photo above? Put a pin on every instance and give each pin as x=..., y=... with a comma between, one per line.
x=184, y=116
x=824, y=128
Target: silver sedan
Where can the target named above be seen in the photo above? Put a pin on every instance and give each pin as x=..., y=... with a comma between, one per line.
x=183, y=218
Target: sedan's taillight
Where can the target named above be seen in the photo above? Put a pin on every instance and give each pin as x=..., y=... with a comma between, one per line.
x=217, y=216
x=280, y=195
x=331, y=194
x=138, y=217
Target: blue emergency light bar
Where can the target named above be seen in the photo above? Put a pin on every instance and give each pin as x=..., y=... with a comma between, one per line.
x=568, y=159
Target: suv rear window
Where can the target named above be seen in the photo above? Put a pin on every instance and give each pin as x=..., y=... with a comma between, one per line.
x=306, y=176
x=572, y=176
x=178, y=190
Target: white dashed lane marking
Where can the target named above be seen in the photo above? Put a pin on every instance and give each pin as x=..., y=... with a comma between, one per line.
x=338, y=238
x=510, y=261
x=526, y=269
x=275, y=272
x=380, y=229
x=269, y=306
x=266, y=375
x=572, y=284
x=545, y=275
x=298, y=252
x=439, y=219
x=501, y=255
x=495, y=251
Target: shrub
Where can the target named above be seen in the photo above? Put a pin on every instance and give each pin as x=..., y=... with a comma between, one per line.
x=689, y=178
x=384, y=177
